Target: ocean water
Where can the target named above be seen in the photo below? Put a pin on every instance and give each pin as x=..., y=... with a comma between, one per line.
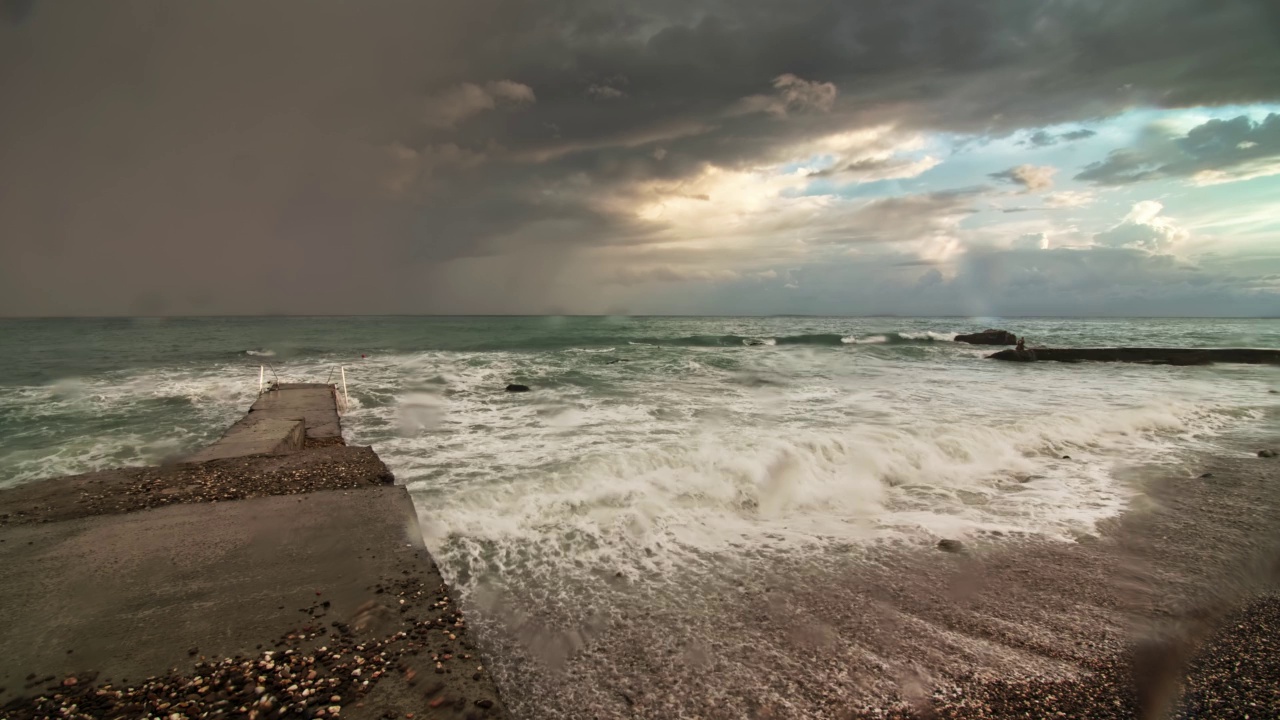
x=658, y=453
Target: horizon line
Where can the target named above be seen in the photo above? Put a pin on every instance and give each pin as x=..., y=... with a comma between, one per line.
x=639, y=315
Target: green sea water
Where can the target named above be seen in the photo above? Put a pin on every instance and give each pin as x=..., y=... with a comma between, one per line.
x=663, y=469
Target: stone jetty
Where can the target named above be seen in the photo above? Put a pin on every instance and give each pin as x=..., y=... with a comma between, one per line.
x=278, y=573
x=1150, y=356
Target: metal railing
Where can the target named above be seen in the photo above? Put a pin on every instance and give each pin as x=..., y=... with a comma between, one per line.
x=343, y=400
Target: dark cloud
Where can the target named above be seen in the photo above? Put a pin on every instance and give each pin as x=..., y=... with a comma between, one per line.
x=249, y=157
x=1074, y=135
x=17, y=11
x=1217, y=151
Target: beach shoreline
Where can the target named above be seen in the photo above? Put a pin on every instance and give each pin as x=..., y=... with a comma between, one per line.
x=1009, y=626
x=1192, y=572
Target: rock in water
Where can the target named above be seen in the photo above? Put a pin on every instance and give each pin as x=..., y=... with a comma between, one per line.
x=952, y=546
x=517, y=388
x=1266, y=453
x=990, y=336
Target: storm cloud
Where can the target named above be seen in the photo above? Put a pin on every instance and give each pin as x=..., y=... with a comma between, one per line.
x=505, y=156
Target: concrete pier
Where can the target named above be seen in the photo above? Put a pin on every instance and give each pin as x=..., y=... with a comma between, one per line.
x=280, y=421
x=290, y=581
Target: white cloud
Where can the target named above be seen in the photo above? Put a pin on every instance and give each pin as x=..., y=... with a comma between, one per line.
x=1262, y=167
x=791, y=93
x=1145, y=229
x=867, y=155
x=1069, y=198
x=604, y=92
x=454, y=105
x=1032, y=177
x=1032, y=241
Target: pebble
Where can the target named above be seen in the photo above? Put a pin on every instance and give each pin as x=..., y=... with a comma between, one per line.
x=286, y=682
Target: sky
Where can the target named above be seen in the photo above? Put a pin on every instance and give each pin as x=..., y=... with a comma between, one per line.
x=745, y=157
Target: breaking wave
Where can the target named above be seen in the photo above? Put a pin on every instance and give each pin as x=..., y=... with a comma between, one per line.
x=821, y=339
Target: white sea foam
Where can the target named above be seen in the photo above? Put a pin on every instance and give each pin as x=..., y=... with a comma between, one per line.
x=140, y=417
x=260, y=353
x=801, y=450
x=928, y=335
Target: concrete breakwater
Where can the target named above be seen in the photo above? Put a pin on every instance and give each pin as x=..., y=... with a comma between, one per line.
x=1151, y=356
x=277, y=573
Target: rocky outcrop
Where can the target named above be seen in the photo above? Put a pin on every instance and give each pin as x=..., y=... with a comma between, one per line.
x=1150, y=356
x=1266, y=453
x=517, y=388
x=990, y=336
x=951, y=546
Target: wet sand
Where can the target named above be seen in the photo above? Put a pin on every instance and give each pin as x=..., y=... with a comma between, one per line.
x=1172, y=594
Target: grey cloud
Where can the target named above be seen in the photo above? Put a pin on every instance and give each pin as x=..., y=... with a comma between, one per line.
x=931, y=277
x=903, y=218
x=878, y=168
x=604, y=92
x=1074, y=135
x=1032, y=241
x=792, y=94
x=1019, y=281
x=456, y=104
x=1042, y=138
x=669, y=274
x=142, y=158
x=1216, y=151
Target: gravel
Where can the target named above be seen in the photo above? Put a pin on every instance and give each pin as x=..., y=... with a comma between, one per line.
x=324, y=467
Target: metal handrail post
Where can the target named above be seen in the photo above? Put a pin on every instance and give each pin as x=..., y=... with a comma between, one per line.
x=346, y=400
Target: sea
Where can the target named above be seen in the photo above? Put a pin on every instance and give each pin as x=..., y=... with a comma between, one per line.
x=656, y=457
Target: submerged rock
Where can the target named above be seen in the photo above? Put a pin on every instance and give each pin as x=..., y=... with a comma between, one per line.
x=990, y=336
x=517, y=388
x=952, y=546
x=1266, y=453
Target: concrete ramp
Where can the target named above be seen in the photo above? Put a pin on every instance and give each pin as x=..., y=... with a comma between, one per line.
x=256, y=435
x=315, y=403
x=281, y=421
